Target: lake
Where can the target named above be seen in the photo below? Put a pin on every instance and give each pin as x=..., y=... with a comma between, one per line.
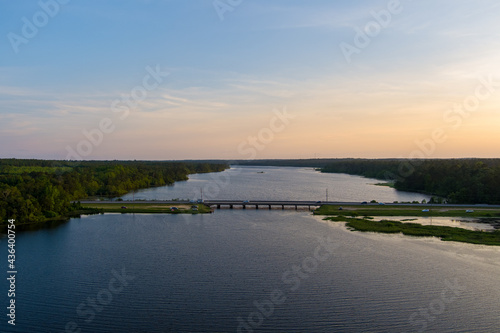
x=277, y=183
x=250, y=270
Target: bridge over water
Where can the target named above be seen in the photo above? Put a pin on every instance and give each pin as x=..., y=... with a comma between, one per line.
x=262, y=203
x=269, y=204
x=284, y=203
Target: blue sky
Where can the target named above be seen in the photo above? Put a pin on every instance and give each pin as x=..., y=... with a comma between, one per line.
x=228, y=78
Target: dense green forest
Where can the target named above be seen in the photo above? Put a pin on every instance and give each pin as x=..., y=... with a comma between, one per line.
x=459, y=181
x=37, y=190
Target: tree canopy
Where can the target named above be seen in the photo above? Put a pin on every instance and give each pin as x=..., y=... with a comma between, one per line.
x=459, y=181
x=36, y=190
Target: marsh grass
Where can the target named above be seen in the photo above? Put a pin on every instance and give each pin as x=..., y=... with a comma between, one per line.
x=395, y=210
x=414, y=229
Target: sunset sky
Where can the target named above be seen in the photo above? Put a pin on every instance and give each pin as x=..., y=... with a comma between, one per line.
x=348, y=78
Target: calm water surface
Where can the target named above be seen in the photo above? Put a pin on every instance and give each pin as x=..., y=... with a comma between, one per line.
x=247, y=271
x=204, y=273
x=277, y=183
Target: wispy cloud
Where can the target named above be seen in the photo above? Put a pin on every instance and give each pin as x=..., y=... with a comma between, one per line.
x=226, y=77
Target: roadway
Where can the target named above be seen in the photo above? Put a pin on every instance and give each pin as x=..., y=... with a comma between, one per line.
x=285, y=203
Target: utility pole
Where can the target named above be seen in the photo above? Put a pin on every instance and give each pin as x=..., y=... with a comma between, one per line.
x=431, y=212
x=201, y=191
x=327, y=195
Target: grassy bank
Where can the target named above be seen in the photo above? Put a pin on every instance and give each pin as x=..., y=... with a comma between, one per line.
x=394, y=210
x=147, y=208
x=391, y=185
x=50, y=222
x=350, y=215
x=414, y=229
x=100, y=208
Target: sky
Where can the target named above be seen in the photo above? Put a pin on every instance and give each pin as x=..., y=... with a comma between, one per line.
x=245, y=79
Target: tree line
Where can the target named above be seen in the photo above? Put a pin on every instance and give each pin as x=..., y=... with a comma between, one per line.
x=459, y=181
x=37, y=190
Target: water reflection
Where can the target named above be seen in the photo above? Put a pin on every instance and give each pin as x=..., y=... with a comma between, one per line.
x=457, y=222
